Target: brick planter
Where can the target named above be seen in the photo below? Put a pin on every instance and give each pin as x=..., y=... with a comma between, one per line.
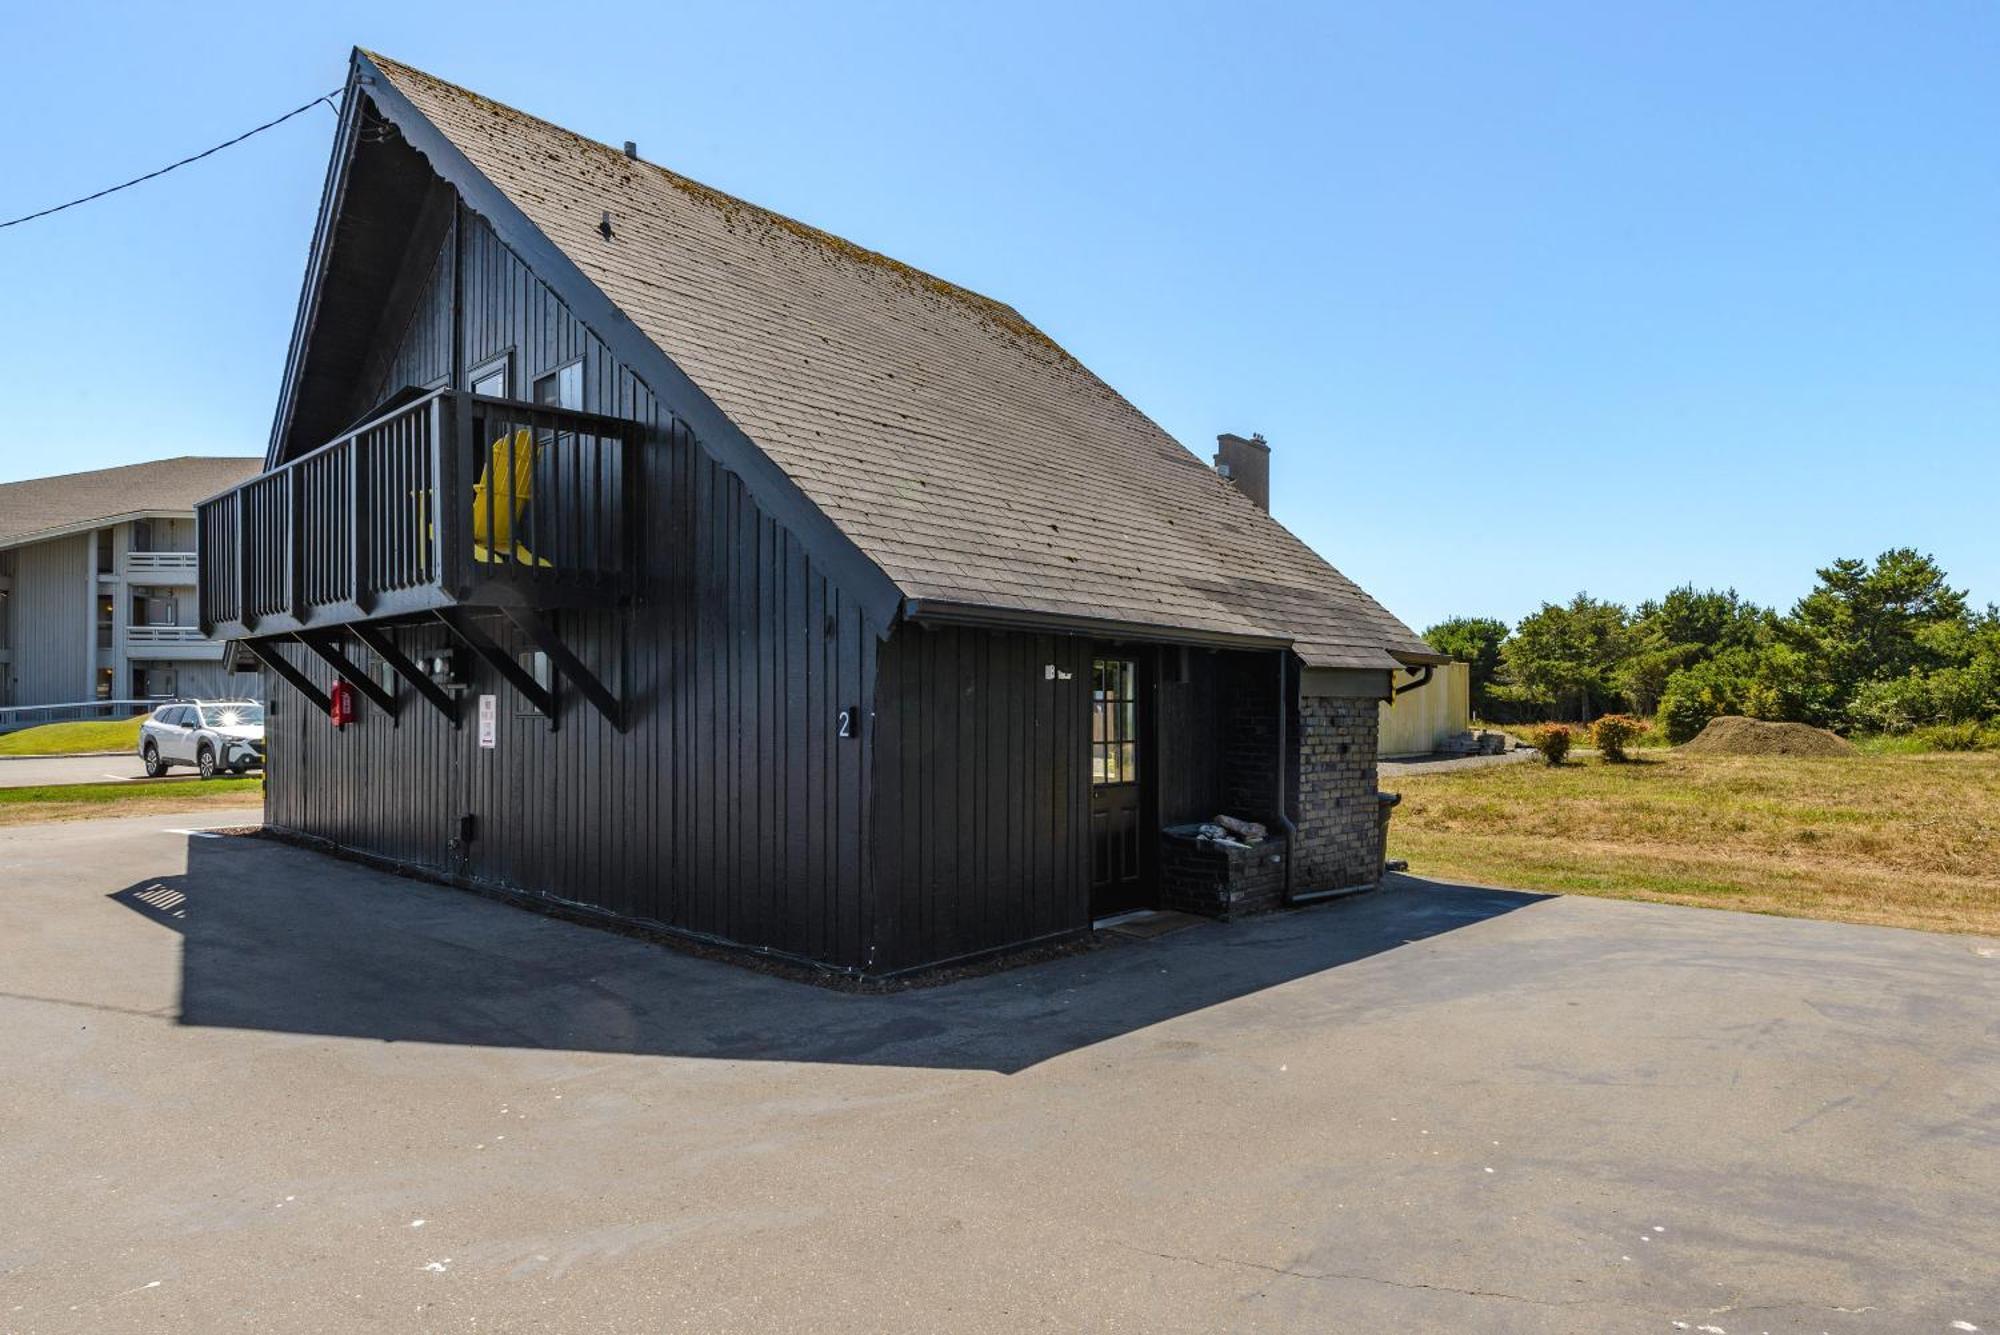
x=1221, y=882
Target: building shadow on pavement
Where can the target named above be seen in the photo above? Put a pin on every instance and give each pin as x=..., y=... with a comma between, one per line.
x=278, y=938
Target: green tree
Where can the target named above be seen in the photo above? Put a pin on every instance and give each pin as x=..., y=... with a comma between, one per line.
x=1864, y=622
x=1474, y=641
x=1686, y=627
x=1707, y=689
x=1711, y=618
x=1772, y=681
x=1965, y=690
x=1564, y=658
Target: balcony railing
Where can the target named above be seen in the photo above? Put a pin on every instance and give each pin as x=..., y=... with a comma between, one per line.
x=159, y=563
x=451, y=500
x=144, y=636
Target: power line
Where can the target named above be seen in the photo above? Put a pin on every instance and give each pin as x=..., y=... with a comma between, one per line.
x=112, y=190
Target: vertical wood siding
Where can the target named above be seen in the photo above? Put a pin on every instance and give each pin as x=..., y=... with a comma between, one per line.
x=1190, y=743
x=53, y=610
x=982, y=798
x=728, y=808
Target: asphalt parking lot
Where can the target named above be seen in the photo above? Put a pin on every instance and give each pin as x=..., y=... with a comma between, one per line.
x=34, y=771
x=251, y=1087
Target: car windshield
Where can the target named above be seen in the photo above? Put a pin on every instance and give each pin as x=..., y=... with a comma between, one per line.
x=232, y=716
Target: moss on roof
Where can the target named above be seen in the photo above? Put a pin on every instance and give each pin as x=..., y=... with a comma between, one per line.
x=734, y=209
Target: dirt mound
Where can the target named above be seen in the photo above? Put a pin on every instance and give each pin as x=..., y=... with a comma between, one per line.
x=1733, y=736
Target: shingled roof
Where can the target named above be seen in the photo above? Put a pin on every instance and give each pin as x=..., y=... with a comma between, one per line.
x=967, y=455
x=49, y=507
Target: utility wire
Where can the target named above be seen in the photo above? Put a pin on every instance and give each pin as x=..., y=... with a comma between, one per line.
x=112, y=190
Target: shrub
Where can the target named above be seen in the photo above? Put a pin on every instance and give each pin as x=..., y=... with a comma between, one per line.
x=1958, y=737
x=1951, y=695
x=1893, y=705
x=1613, y=733
x=1552, y=740
x=1703, y=691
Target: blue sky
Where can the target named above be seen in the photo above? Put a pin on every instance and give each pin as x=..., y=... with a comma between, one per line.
x=1528, y=298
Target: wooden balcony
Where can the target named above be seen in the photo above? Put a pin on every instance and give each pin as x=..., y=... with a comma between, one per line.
x=451, y=500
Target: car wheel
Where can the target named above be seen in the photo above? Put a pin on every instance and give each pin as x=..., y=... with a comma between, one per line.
x=155, y=767
x=206, y=759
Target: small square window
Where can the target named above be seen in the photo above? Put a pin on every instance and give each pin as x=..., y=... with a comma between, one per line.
x=562, y=387
x=490, y=378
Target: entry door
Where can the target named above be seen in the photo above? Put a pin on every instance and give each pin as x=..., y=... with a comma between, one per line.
x=1118, y=848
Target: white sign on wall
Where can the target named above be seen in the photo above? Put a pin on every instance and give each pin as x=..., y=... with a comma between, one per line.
x=489, y=722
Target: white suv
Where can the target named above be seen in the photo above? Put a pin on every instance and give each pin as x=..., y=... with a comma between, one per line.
x=211, y=735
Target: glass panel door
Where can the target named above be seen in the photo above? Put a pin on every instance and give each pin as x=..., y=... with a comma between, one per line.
x=1117, y=853
x=1114, y=722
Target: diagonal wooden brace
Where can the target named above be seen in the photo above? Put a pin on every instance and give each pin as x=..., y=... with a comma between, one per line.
x=537, y=628
x=330, y=652
x=502, y=662
x=400, y=663
x=269, y=656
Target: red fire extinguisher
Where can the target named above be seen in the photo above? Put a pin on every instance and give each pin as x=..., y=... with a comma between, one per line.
x=340, y=704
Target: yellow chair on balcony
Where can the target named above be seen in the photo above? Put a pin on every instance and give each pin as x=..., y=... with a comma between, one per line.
x=510, y=479
x=499, y=498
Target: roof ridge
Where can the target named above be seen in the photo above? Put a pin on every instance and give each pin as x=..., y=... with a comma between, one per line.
x=140, y=463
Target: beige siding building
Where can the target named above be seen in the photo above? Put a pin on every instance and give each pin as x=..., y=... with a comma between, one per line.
x=1421, y=720
x=97, y=585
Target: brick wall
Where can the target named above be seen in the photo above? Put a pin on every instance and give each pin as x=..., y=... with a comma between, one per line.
x=1221, y=882
x=1339, y=816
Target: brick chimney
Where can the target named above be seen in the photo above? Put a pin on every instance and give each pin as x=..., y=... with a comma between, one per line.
x=1247, y=464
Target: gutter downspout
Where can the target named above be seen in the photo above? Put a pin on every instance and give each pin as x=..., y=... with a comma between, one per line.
x=1421, y=682
x=1285, y=821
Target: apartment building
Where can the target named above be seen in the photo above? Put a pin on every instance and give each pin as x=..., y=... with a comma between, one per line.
x=97, y=585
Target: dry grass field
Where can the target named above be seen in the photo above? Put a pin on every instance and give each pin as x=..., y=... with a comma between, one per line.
x=1902, y=841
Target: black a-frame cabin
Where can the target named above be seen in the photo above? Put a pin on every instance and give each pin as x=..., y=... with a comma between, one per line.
x=683, y=564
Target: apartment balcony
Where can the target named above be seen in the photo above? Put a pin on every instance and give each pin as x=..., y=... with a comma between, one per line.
x=160, y=567
x=452, y=500
x=150, y=636
x=175, y=642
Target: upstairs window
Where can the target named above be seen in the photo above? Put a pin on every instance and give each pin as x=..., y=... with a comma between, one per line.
x=490, y=377
x=562, y=387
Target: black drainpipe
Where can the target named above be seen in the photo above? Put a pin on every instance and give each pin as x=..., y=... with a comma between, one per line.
x=1421, y=681
x=1285, y=821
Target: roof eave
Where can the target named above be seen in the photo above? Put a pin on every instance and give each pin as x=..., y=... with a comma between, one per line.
x=935, y=611
x=71, y=530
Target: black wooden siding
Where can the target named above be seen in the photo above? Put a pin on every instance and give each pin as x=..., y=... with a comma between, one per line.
x=982, y=801
x=729, y=808
x=1189, y=738
x=956, y=823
